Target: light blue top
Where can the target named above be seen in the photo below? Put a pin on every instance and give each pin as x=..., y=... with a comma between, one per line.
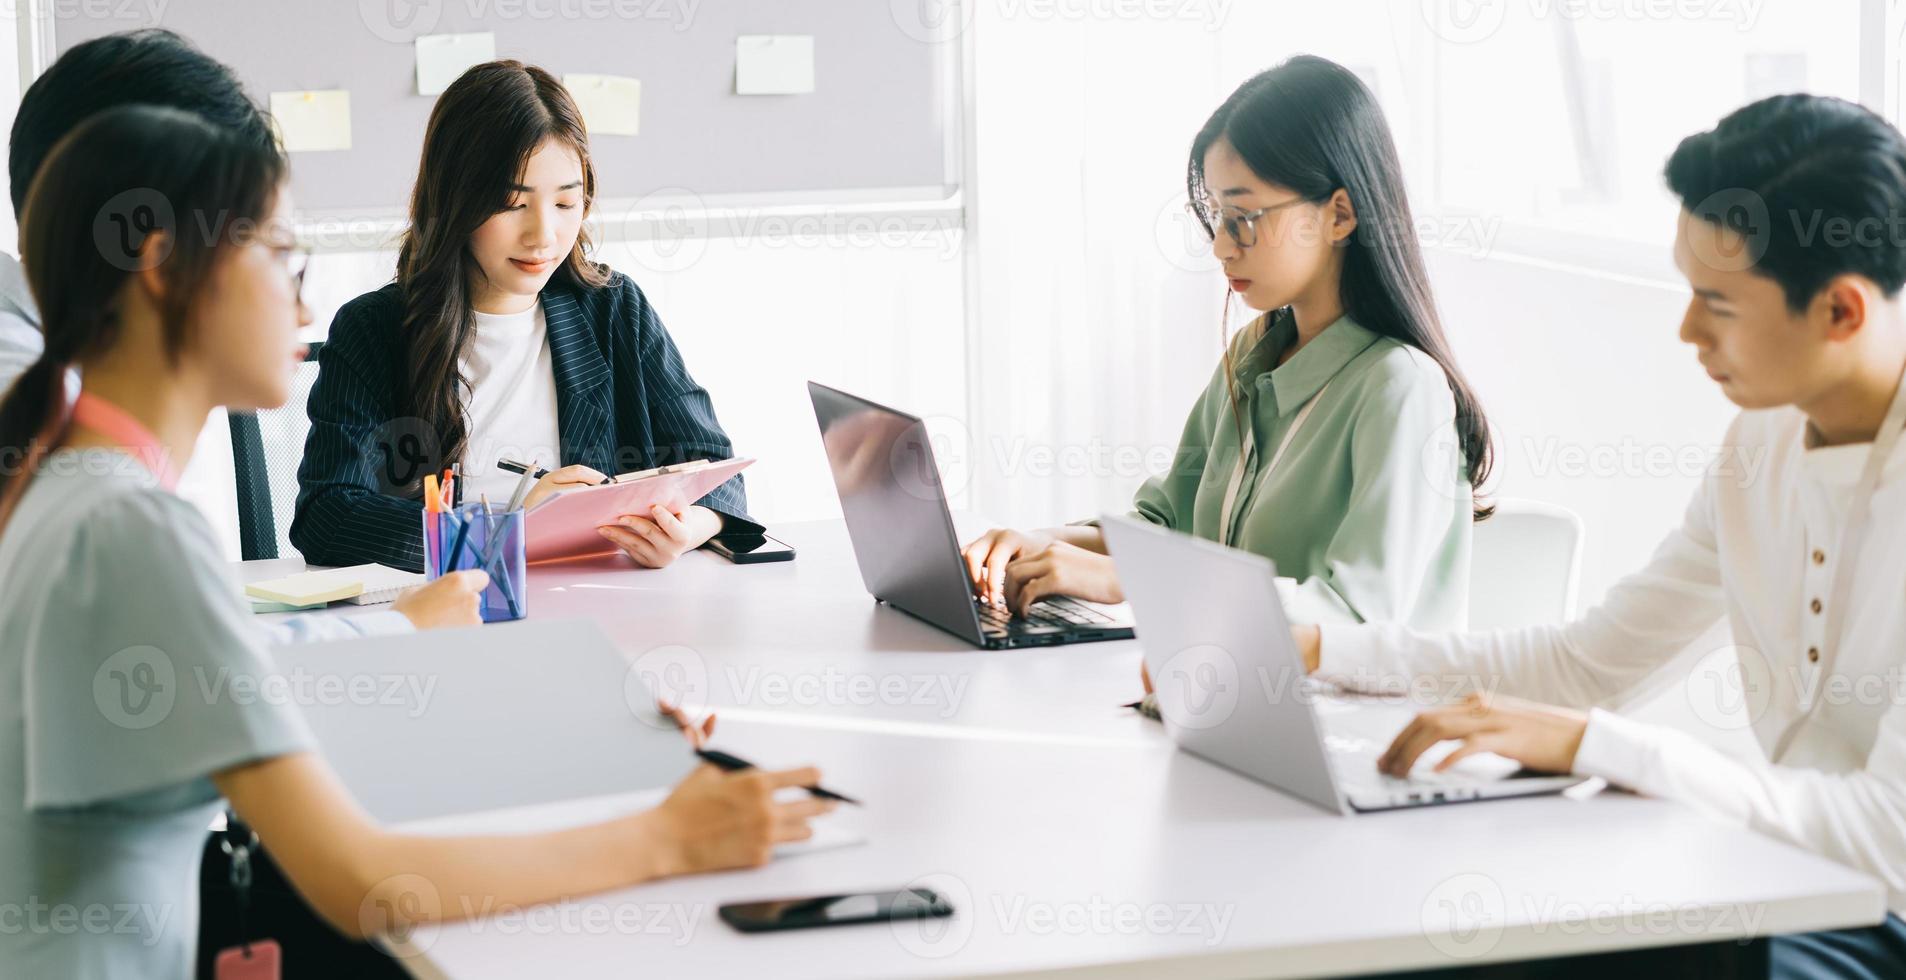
x=124, y=634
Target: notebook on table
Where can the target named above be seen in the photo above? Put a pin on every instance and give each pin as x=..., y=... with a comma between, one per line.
x=362, y=585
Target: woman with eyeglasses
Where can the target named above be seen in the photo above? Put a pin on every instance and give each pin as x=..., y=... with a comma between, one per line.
x=124, y=624
x=1337, y=436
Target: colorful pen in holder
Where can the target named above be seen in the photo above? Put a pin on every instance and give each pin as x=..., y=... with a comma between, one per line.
x=474, y=536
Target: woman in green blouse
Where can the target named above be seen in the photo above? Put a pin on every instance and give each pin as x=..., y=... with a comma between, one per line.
x=1337, y=436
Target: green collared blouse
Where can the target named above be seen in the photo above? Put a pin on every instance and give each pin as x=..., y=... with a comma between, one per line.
x=1369, y=507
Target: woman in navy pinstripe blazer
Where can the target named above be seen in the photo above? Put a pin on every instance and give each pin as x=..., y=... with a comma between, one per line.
x=500, y=338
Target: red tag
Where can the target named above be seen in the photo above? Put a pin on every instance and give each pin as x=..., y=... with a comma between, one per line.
x=259, y=962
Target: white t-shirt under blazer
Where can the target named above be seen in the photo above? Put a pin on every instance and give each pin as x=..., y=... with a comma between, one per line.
x=512, y=407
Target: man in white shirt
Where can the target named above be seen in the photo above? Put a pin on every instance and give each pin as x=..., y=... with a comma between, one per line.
x=1793, y=238
x=145, y=67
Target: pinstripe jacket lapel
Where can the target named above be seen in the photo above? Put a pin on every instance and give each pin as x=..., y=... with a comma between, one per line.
x=584, y=403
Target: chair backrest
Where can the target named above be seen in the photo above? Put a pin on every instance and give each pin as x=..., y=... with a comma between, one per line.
x=1526, y=565
x=267, y=447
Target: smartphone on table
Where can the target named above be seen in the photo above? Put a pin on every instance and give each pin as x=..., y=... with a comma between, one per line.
x=750, y=549
x=836, y=910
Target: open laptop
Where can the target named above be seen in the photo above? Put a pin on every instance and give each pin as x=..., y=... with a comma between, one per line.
x=1232, y=687
x=903, y=533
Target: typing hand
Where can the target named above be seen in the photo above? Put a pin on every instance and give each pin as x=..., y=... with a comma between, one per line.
x=556, y=481
x=1061, y=569
x=1539, y=736
x=987, y=558
x=657, y=540
x=446, y=602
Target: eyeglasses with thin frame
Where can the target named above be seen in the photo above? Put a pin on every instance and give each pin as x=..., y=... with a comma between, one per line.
x=297, y=263
x=1240, y=224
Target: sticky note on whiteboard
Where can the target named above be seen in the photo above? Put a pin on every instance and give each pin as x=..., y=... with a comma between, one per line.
x=442, y=57
x=313, y=121
x=774, y=64
x=611, y=104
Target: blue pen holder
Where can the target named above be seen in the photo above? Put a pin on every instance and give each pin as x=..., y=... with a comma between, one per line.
x=466, y=538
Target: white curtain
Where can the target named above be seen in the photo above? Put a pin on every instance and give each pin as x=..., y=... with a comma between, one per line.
x=1098, y=305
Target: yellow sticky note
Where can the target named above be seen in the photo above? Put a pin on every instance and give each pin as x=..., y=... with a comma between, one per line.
x=611, y=104
x=443, y=57
x=774, y=64
x=313, y=121
x=309, y=588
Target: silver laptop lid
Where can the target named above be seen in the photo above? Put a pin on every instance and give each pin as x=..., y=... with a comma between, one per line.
x=896, y=509
x=1230, y=682
x=443, y=722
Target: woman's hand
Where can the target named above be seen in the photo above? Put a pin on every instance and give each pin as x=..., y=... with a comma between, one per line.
x=697, y=735
x=1539, y=736
x=445, y=602
x=556, y=481
x=1061, y=569
x=988, y=556
x=715, y=820
x=657, y=540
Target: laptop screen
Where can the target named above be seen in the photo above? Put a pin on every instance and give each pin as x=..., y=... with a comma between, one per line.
x=895, y=506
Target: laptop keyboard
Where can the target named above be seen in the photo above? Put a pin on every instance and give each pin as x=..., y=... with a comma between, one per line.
x=1054, y=613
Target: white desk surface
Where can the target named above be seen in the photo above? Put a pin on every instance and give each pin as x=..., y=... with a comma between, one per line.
x=1070, y=835
x=1058, y=858
x=805, y=637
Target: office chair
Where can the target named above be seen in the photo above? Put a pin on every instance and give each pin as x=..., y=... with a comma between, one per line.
x=267, y=447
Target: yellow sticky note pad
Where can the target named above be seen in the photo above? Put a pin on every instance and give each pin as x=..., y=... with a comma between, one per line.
x=443, y=57
x=774, y=64
x=309, y=588
x=611, y=104
x=313, y=121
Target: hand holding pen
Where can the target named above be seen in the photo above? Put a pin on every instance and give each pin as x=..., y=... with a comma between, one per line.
x=550, y=482
x=728, y=763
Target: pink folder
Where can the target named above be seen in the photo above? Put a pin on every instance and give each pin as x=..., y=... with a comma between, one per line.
x=564, y=526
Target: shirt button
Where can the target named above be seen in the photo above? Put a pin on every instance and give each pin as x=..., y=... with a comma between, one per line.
x=1816, y=607
x=1819, y=557
x=1813, y=655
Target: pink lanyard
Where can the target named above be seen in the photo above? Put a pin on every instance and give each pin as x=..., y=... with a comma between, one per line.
x=114, y=423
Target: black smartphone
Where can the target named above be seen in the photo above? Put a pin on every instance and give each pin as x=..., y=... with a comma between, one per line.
x=750, y=549
x=835, y=910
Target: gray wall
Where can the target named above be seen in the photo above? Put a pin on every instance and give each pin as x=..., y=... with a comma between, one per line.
x=876, y=118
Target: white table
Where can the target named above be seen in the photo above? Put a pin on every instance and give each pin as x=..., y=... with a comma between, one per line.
x=1142, y=861
x=1071, y=836
x=805, y=637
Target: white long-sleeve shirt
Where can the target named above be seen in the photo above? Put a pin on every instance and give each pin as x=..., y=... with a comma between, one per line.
x=1759, y=545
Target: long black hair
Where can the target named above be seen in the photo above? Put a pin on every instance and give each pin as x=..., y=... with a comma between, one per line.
x=1311, y=125
x=483, y=131
x=119, y=179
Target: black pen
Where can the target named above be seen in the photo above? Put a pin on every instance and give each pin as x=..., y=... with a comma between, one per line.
x=728, y=763
x=512, y=466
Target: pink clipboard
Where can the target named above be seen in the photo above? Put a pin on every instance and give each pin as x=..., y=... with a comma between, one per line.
x=563, y=527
